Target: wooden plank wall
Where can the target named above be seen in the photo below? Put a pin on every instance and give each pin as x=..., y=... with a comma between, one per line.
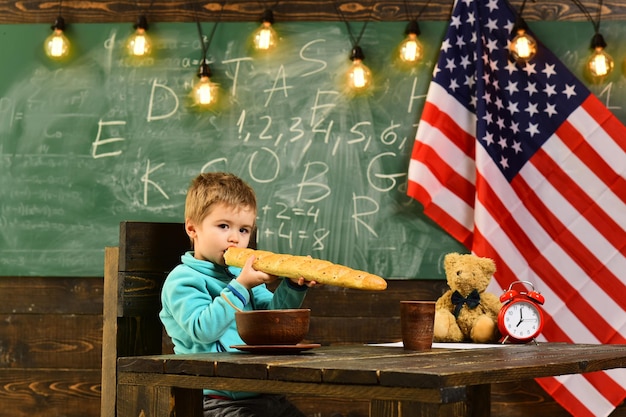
x=79, y=11
x=51, y=346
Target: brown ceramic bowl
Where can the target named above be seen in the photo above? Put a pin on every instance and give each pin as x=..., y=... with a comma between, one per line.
x=273, y=327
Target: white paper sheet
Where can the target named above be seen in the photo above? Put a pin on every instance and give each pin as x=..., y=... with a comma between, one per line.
x=449, y=345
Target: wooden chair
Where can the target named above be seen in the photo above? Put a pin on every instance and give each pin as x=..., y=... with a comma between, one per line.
x=133, y=278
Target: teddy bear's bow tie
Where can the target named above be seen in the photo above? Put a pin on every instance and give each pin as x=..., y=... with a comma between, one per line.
x=472, y=301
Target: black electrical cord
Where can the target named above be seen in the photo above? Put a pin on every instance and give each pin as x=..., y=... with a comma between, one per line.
x=355, y=41
x=409, y=15
x=598, y=40
x=142, y=21
x=595, y=23
x=59, y=22
x=204, y=67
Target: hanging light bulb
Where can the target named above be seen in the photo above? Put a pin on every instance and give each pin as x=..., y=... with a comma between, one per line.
x=359, y=76
x=205, y=91
x=265, y=37
x=139, y=43
x=57, y=46
x=523, y=47
x=600, y=64
x=411, y=49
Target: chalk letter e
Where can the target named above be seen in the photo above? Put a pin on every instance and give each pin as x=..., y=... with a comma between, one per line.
x=95, y=144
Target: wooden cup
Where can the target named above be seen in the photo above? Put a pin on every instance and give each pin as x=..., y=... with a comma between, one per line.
x=417, y=319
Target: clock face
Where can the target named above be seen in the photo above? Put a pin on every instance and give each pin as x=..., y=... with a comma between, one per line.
x=522, y=320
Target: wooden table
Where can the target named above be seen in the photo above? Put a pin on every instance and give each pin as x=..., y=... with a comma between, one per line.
x=439, y=382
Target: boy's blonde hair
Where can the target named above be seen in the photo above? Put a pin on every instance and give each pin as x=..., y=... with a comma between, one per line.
x=211, y=188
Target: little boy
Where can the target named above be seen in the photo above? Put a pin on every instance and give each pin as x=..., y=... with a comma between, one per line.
x=201, y=295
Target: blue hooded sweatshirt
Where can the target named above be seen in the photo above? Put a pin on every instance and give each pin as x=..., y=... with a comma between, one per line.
x=197, y=317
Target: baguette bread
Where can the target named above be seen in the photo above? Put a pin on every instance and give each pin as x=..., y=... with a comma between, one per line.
x=292, y=266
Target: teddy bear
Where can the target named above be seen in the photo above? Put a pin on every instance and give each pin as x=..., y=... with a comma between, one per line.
x=466, y=312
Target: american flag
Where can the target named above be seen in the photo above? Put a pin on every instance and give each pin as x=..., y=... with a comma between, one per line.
x=522, y=164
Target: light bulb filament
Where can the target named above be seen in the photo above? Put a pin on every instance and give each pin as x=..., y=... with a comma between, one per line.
x=139, y=46
x=265, y=37
x=522, y=45
x=139, y=43
x=600, y=64
x=359, y=76
x=205, y=92
x=411, y=49
x=57, y=45
x=409, y=52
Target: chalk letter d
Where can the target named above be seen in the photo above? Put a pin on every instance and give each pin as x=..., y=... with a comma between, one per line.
x=161, y=99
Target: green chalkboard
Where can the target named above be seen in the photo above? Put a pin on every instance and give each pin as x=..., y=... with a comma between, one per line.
x=103, y=138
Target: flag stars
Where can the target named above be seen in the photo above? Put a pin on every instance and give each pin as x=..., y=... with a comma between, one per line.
x=488, y=139
x=549, y=70
x=450, y=65
x=509, y=26
x=504, y=162
x=492, y=24
x=531, y=109
x=531, y=89
x=533, y=129
x=511, y=87
x=516, y=107
x=511, y=67
x=530, y=69
x=569, y=91
x=471, y=19
x=492, y=45
x=550, y=90
x=455, y=21
x=445, y=45
x=488, y=117
x=486, y=58
x=465, y=61
x=492, y=5
x=550, y=109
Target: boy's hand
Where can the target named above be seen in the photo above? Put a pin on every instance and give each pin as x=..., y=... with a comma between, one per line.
x=250, y=277
x=301, y=281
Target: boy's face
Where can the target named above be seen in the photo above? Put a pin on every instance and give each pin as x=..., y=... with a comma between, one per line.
x=225, y=226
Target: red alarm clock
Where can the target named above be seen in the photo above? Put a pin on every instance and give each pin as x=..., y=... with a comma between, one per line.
x=521, y=318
